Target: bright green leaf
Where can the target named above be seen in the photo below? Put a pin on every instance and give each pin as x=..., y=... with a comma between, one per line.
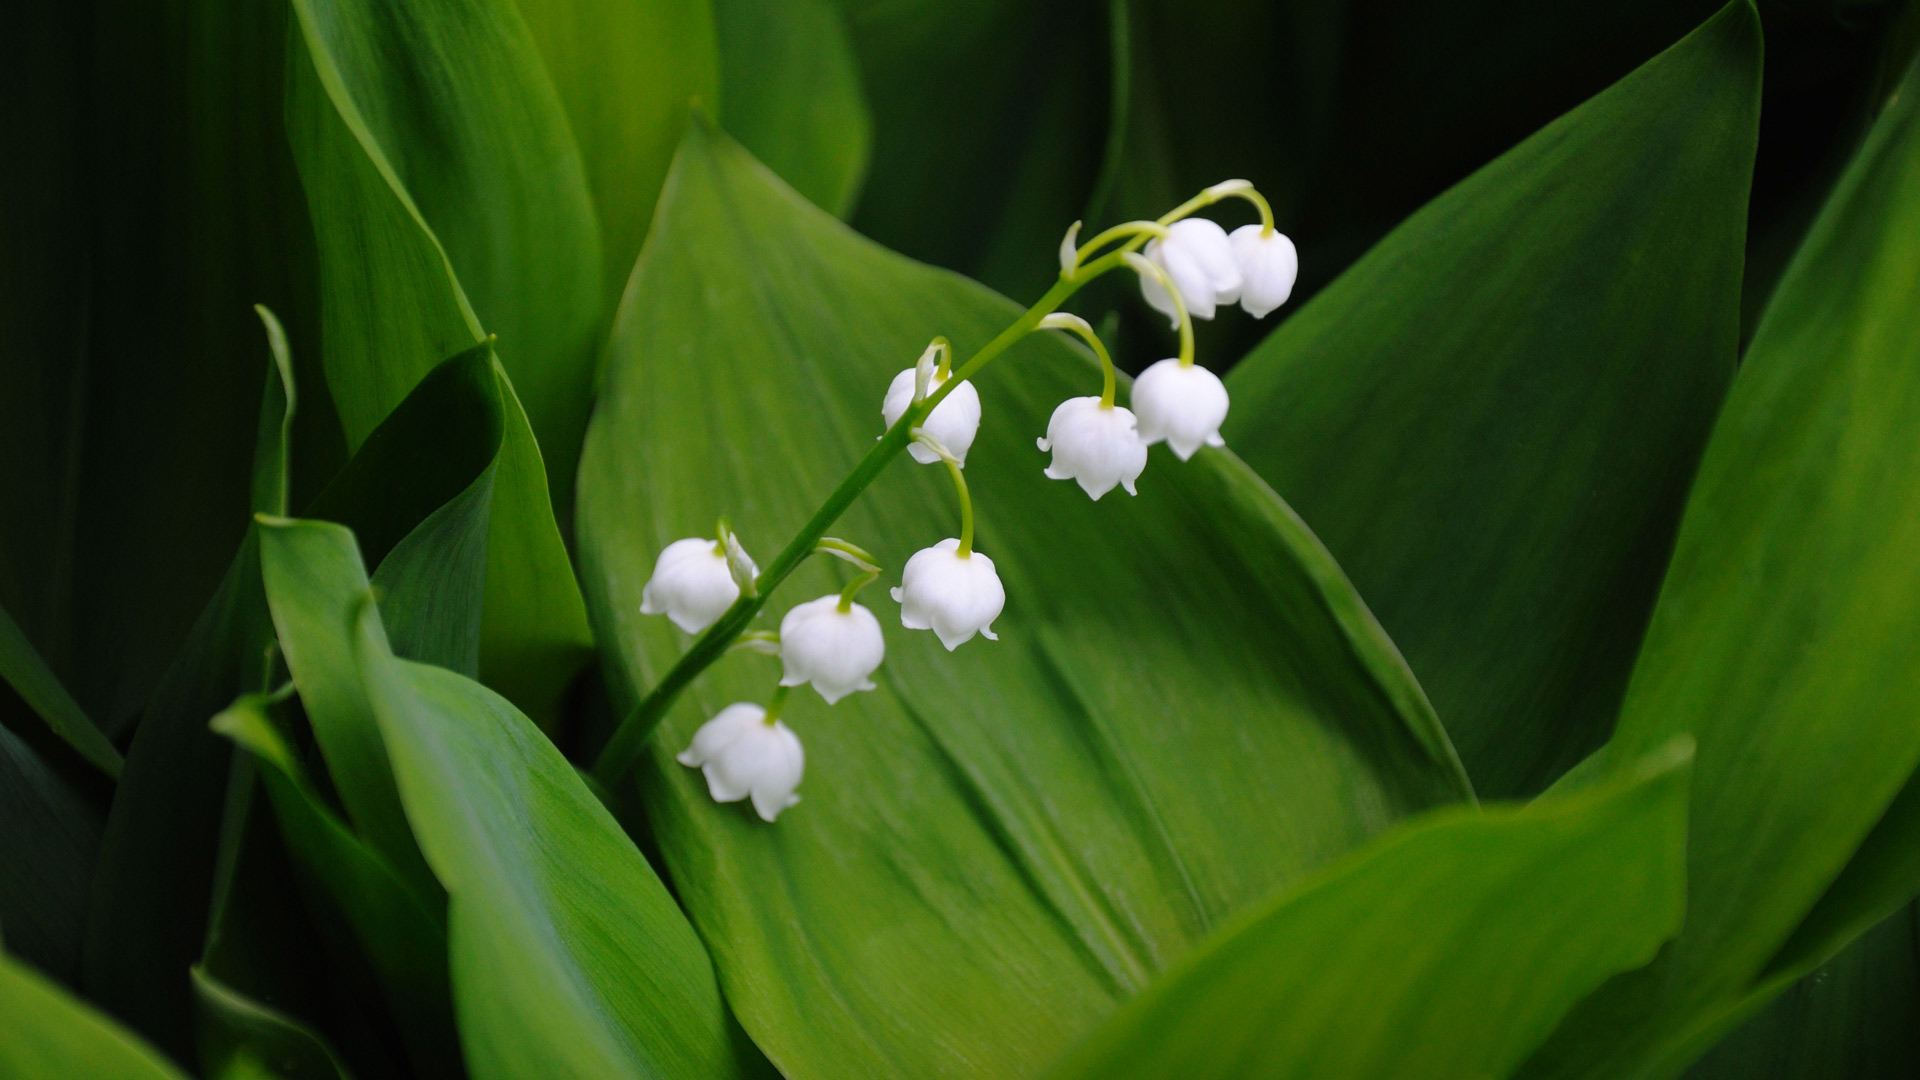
x=1781, y=640
x=568, y=956
x=53, y=1036
x=793, y=95
x=1492, y=419
x=626, y=71
x=441, y=112
x=1447, y=948
x=1187, y=707
x=394, y=310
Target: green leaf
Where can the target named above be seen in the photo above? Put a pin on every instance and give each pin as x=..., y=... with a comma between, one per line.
x=1781, y=640
x=442, y=113
x=53, y=1036
x=253, y=1039
x=49, y=839
x=793, y=96
x=394, y=311
x=1492, y=419
x=626, y=70
x=41, y=691
x=568, y=955
x=1851, y=1019
x=156, y=872
x=1187, y=707
x=402, y=932
x=1446, y=948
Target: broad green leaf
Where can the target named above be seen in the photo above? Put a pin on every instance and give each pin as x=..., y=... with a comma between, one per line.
x=402, y=932
x=393, y=310
x=626, y=71
x=568, y=956
x=988, y=121
x=1493, y=418
x=49, y=839
x=155, y=877
x=1781, y=640
x=53, y=1036
x=40, y=690
x=1446, y=948
x=1187, y=707
x=253, y=1038
x=444, y=110
x=793, y=96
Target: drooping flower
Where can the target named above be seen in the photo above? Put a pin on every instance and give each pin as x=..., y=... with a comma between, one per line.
x=692, y=584
x=954, y=595
x=1198, y=257
x=743, y=755
x=834, y=650
x=1183, y=404
x=953, y=423
x=1268, y=266
x=1096, y=444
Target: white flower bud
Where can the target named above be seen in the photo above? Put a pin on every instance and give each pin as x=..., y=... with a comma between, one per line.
x=955, y=596
x=1183, y=405
x=1199, y=259
x=953, y=423
x=1268, y=266
x=834, y=650
x=741, y=755
x=692, y=584
x=1095, y=444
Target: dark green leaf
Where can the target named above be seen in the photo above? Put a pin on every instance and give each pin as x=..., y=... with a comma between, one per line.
x=442, y=113
x=1493, y=418
x=49, y=839
x=52, y=1036
x=793, y=95
x=568, y=956
x=40, y=690
x=1781, y=640
x=247, y=1037
x=1187, y=707
x=402, y=932
x=988, y=122
x=394, y=311
x=626, y=70
x=1446, y=948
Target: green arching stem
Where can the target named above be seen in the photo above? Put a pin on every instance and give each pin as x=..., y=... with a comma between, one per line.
x=1060, y=320
x=777, y=703
x=946, y=357
x=965, y=550
x=860, y=581
x=1226, y=189
x=1138, y=231
x=623, y=749
x=1148, y=266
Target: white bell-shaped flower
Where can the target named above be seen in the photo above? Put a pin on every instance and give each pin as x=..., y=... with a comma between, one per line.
x=742, y=755
x=954, y=595
x=834, y=650
x=953, y=423
x=1268, y=266
x=1098, y=445
x=691, y=584
x=1198, y=257
x=1184, y=405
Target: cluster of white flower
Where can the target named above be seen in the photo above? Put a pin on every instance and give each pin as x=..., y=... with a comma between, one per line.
x=1190, y=268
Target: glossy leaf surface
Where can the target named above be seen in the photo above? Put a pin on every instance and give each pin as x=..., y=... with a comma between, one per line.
x=793, y=96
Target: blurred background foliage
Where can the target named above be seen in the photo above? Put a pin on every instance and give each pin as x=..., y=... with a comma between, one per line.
x=152, y=192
